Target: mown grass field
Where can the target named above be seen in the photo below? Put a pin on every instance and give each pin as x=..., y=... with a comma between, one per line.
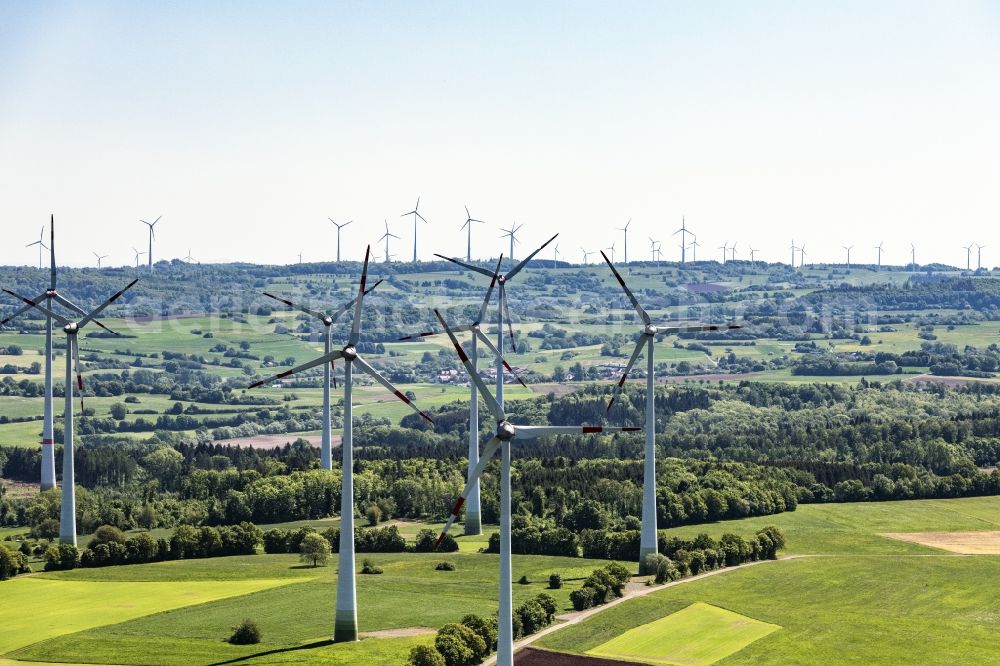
x=851, y=597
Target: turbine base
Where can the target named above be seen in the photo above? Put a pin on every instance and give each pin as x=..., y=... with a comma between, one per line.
x=643, y=553
x=345, y=627
x=473, y=524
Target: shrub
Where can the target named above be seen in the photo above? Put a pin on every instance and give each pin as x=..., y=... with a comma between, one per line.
x=533, y=616
x=523, y=580
x=246, y=633
x=61, y=557
x=445, y=566
x=486, y=629
x=373, y=514
x=555, y=581
x=425, y=655
x=582, y=599
x=46, y=529
x=548, y=602
x=369, y=567
x=275, y=541
x=12, y=563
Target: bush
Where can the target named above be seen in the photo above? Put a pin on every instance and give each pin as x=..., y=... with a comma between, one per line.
x=486, y=629
x=533, y=616
x=555, y=581
x=246, y=633
x=427, y=538
x=523, y=580
x=445, y=566
x=425, y=655
x=108, y=534
x=62, y=557
x=460, y=645
x=12, y=563
x=582, y=599
x=373, y=514
x=548, y=602
x=275, y=541
x=46, y=529
x=369, y=567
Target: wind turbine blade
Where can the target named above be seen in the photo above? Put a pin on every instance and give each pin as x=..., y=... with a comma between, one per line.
x=506, y=314
x=671, y=330
x=489, y=292
x=420, y=216
x=491, y=403
x=481, y=271
x=388, y=385
x=489, y=451
x=100, y=308
x=319, y=315
x=524, y=262
x=628, y=292
x=533, y=432
x=496, y=352
x=325, y=358
x=628, y=368
x=33, y=304
x=356, y=324
x=52, y=251
x=347, y=306
x=75, y=343
x=424, y=334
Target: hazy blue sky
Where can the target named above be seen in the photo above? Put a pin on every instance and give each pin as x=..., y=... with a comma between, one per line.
x=246, y=125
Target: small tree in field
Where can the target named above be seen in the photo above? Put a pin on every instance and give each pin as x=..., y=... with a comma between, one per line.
x=314, y=549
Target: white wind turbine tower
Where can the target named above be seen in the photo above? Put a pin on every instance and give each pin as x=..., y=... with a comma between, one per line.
x=647, y=539
x=653, y=247
x=802, y=256
x=968, y=257
x=753, y=254
x=683, y=231
x=67, y=516
x=300, y=258
x=733, y=250
x=41, y=246
x=99, y=258
x=346, y=622
x=326, y=449
x=611, y=250
x=468, y=224
x=152, y=235
x=506, y=432
x=48, y=472
x=794, y=248
x=694, y=249
x=139, y=254
x=512, y=233
x=913, y=257
x=878, y=265
x=386, y=236
x=473, y=514
x=416, y=216
x=625, y=230
x=585, y=255
x=339, y=227
x=503, y=310
x=979, y=256
x=848, y=248
x=555, y=256
x=725, y=251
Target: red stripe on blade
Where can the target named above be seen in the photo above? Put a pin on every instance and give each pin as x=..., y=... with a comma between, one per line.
x=590, y=429
x=631, y=429
x=458, y=506
x=402, y=397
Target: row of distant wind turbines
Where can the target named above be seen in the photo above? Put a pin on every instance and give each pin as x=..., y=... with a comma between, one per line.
x=729, y=252
x=345, y=626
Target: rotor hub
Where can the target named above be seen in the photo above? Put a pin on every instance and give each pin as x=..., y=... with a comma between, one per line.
x=350, y=353
x=71, y=328
x=50, y=292
x=650, y=329
x=327, y=321
x=501, y=279
x=505, y=431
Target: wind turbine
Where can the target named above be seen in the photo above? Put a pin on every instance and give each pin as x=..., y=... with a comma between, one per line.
x=48, y=471
x=346, y=622
x=468, y=242
x=506, y=432
x=802, y=256
x=189, y=258
x=67, y=516
x=878, y=265
x=848, y=248
x=611, y=249
x=326, y=450
x=41, y=246
x=152, y=235
x=585, y=255
x=503, y=310
x=694, y=249
x=968, y=257
x=416, y=215
x=625, y=229
x=733, y=250
x=339, y=227
x=139, y=254
x=512, y=233
x=979, y=256
x=683, y=231
x=794, y=248
x=300, y=258
x=99, y=258
x=386, y=236
x=725, y=250
x=647, y=539
x=913, y=257
x=753, y=252
x=653, y=247
x=555, y=255
x=473, y=517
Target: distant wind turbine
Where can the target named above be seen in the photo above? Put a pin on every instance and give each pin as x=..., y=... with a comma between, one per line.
x=139, y=254
x=416, y=216
x=386, y=236
x=725, y=251
x=968, y=257
x=979, y=256
x=802, y=256
x=753, y=252
x=555, y=256
x=339, y=227
x=848, y=248
x=152, y=235
x=41, y=246
x=612, y=251
x=913, y=257
x=625, y=230
x=189, y=258
x=878, y=265
x=794, y=248
x=683, y=231
x=585, y=255
x=694, y=249
x=512, y=233
x=468, y=240
x=99, y=258
x=733, y=250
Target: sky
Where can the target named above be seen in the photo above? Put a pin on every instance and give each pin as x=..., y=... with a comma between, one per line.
x=247, y=125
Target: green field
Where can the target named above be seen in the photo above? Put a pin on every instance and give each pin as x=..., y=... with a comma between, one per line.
x=698, y=635
x=850, y=597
